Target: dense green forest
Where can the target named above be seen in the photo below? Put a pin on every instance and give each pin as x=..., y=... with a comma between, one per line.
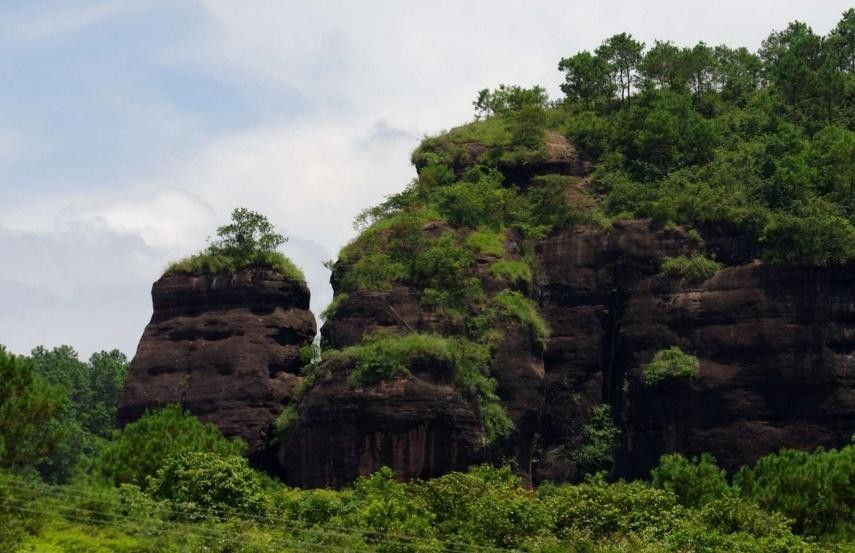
x=760, y=144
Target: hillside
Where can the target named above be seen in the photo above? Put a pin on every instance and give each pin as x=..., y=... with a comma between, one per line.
x=619, y=320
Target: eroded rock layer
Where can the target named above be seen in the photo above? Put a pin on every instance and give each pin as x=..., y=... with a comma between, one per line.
x=226, y=347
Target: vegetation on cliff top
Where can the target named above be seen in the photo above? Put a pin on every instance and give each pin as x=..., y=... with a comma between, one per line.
x=249, y=240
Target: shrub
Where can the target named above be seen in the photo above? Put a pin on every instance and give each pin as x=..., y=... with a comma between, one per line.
x=385, y=508
x=201, y=482
x=695, y=481
x=143, y=446
x=380, y=358
x=511, y=270
x=816, y=490
x=669, y=363
x=599, y=438
x=373, y=271
x=485, y=506
x=249, y=240
x=814, y=234
x=696, y=268
x=523, y=309
x=487, y=242
x=28, y=407
x=209, y=263
x=601, y=510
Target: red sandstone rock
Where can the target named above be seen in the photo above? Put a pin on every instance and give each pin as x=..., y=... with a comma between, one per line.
x=225, y=346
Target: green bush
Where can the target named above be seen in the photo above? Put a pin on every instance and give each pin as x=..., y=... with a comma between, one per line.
x=513, y=271
x=380, y=358
x=249, y=240
x=667, y=364
x=695, y=481
x=199, y=482
x=816, y=490
x=28, y=407
x=487, y=242
x=602, y=510
x=523, y=309
x=599, y=439
x=210, y=263
x=373, y=271
x=143, y=446
x=485, y=506
x=696, y=268
x=814, y=234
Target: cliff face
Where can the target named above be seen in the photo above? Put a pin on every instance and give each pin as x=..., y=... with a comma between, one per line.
x=776, y=351
x=225, y=346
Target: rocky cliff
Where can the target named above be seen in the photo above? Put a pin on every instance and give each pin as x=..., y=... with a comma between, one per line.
x=775, y=348
x=225, y=346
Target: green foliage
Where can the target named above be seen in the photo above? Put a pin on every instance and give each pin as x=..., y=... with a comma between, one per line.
x=380, y=358
x=813, y=234
x=385, y=508
x=484, y=506
x=512, y=271
x=695, y=481
x=759, y=143
x=816, y=490
x=201, y=481
x=599, y=439
x=523, y=309
x=696, y=268
x=667, y=364
x=249, y=240
x=487, y=242
x=143, y=446
x=210, y=263
x=28, y=407
x=88, y=411
x=508, y=99
x=602, y=510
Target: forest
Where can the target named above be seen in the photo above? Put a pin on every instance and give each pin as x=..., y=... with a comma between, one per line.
x=760, y=144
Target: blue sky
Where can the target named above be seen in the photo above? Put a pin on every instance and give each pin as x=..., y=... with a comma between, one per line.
x=130, y=129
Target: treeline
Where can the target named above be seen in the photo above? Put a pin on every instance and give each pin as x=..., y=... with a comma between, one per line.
x=760, y=143
x=170, y=483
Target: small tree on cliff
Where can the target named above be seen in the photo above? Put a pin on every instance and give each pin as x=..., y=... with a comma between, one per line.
x=249, y=240
x=249, y=235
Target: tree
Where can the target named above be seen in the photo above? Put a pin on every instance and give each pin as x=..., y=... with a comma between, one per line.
x=791, y=61
x=832, y=155
x=91, y=396
x=28, y=406
x=248, y=235
x=664, y=66
x=738, y=73
x=587, y=79
x=508, y=99
x=699, y=64
x=694, y=481
x=204, y=481
x=143, y=446
x=623, y=54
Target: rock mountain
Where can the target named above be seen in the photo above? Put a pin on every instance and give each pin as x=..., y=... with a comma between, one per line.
x=776, y=348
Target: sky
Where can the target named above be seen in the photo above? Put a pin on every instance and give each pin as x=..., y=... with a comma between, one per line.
x=129, y=130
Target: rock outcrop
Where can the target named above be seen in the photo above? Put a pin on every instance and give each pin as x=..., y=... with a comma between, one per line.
x=776, y=351
x=226, y=347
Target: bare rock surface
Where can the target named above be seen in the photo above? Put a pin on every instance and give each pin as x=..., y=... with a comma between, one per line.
x=226, y=347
